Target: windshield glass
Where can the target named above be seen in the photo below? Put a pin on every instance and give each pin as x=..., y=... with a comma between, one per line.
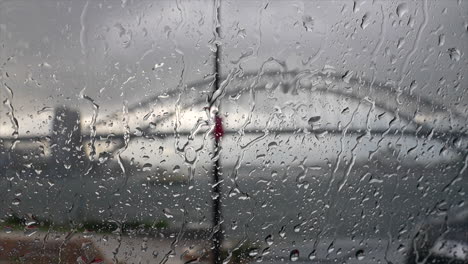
x=229, y=131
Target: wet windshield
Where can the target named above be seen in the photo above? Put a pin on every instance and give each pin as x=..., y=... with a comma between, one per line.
x=229, y=131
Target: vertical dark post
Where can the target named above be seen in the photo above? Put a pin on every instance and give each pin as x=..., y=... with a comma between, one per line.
x=217, y=221
x=218, y=133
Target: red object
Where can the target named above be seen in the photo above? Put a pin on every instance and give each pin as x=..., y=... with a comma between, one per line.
x=218, y=131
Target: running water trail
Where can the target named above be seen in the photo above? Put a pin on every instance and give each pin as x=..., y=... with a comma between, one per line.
x=83, y=37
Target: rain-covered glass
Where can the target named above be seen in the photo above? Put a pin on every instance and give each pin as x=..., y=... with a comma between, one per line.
x=233, y=131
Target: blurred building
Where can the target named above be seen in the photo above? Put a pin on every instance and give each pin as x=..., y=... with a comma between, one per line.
x=66, y=141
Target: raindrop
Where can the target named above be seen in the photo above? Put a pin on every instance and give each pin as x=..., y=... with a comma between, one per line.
x=308, y=22
x=44, y=109
x=441, y=39
x=88, y=234
x=8, y=229
x=411, y=21
x=312, y=255
x=365, y=20
x=31, y=223
x=253, y=252
x=234, y=225
x=30, y=230
x=16, y=202
x=167, y=31
x=294, y=255
x=147, y=167
x=347, y=76
x=355, y=7
x=331, y=248
x=269, y=240
x=167, y=213
x=282, y=232
x=241, y=33
x=360, y=254
x=402, y=9
x=454, y=54
x=313, y=120
x=272, y=144
x=400, y=43
x=158, y=65
x=297, y=228
x=413, y=85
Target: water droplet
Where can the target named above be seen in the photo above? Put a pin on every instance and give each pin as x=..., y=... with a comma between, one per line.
x=413, y=85
x=269, y=240
x=365, y=20
x=402, y=9
x=147, y=167
x=294, y=255
x=331, y=248
x=158, y=65
x=16, y=202
x=454, y=54
x=441, y=39
x=234, y=225
x=272, y=144
x=297, y=228
x=347, y=76
x=266, y=251
x=8, y=229
x=312, y=255
x=400, y=43
x=167, y=213
x=355, y=7
x=30, y=230
x=360, y=254
x=88, y=234
x=253, y=252
x=314, y=119
x=282, y=232
x=308, y=22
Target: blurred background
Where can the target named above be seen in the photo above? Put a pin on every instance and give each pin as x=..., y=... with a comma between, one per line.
x=344, y=126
